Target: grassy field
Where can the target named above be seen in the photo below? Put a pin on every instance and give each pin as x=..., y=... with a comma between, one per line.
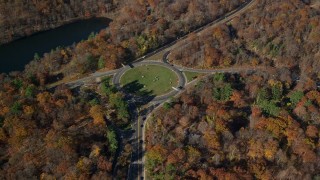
x=151, y=79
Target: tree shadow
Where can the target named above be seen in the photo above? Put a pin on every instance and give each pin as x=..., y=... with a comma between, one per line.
x=140, y=96
x=55, y=78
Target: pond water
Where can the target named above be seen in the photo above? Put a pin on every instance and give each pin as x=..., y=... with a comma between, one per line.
x=15, y=55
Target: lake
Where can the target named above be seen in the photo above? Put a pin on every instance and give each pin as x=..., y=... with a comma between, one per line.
x=15, y=55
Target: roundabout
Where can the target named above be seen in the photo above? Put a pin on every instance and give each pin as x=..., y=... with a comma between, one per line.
x=123, y=76
x=150, y=78
x=154, y=79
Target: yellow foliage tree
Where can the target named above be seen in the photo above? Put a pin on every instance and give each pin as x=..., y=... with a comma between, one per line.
x=157, y=153
x=212, y=140
x=276, y=126
x=270, y=149
x=43, y=98
x=255, y=149
x=95, y=151
x=28, y=110
x=4, y=110
x=193, y=154
x=97, y=114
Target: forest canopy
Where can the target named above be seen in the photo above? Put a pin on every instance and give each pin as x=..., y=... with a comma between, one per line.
x=259, y=124
x=262, y=128
x=19, y=18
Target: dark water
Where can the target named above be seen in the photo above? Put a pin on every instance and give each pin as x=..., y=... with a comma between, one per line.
x=15, y=55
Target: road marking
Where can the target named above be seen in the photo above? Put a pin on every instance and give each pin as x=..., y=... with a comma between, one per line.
x=176, y=89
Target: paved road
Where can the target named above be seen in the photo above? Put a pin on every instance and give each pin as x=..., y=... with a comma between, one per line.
x=157, y=104
x=137, y=164
x=90, y=78
x=223, y=19
x=136, y=169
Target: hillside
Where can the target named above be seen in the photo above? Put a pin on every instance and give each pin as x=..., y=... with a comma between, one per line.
x=247, y=126
x=64, y=133
x=281, y=34
x=260, y=124
x=23, y=18
x=141, y=27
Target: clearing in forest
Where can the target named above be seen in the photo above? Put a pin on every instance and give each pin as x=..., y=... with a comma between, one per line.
x=149, y=80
